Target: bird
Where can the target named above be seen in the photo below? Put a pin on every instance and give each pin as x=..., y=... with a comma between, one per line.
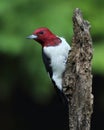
x=55, y=52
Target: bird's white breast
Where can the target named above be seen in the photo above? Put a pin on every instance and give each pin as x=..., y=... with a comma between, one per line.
x=58, y=55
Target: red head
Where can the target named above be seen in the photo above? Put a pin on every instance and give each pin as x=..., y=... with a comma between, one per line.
x=45, y=37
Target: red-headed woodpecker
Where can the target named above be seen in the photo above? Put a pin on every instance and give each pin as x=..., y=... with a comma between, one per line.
x=54, y=53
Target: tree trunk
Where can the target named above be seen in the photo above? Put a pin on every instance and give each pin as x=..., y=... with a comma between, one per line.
x=77, y=79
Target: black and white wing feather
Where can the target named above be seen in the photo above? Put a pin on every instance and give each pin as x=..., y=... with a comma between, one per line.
x=47, y=62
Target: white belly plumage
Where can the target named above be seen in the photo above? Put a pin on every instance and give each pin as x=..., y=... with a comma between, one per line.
x=58, y=55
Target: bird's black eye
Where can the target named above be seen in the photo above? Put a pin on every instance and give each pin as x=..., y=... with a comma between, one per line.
x=41, y=32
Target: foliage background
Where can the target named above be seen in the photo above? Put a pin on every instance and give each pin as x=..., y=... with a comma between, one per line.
x=23, y=79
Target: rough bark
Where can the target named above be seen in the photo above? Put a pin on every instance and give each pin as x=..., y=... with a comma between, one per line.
x=77, y=79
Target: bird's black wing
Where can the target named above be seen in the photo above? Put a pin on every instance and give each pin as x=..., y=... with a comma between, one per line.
x=47, y=62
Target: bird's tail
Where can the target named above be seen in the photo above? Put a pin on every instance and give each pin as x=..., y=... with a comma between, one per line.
x=62, y=96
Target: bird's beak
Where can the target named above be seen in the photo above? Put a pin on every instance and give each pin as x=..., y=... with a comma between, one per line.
x=32, y=36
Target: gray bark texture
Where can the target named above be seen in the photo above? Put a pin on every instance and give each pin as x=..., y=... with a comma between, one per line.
x=77, y=79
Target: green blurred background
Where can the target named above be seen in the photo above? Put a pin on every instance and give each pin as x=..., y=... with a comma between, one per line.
x=21, y=68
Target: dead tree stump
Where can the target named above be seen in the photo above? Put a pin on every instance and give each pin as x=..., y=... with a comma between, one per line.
x=77, y=79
